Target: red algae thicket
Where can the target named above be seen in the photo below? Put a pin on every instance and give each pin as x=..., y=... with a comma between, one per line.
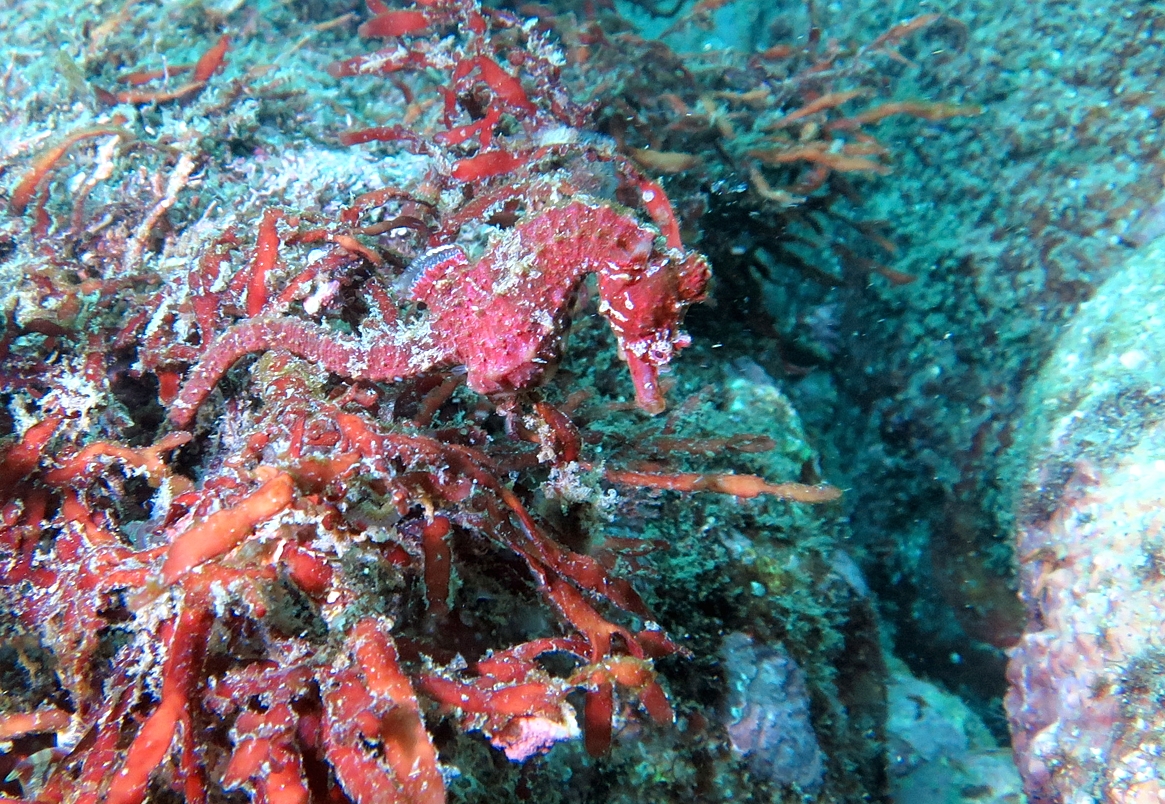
x=304, y=494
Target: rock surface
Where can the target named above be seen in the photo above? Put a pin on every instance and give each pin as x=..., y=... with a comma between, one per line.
x=1085, y=683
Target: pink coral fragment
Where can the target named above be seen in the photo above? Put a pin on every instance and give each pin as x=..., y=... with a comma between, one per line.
x=530, y=736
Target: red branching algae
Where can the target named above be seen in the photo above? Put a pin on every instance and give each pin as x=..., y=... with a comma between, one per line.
x=24, y=192
x=274, y=643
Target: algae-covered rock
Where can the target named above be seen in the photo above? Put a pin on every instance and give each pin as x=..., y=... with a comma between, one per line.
x=783, y=694
x=940, y=751
x=1085, y=691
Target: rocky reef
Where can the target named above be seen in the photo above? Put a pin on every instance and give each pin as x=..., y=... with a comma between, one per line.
x=579, y=401
x=339, y=463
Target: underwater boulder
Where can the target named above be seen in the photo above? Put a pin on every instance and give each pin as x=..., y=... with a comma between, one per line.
x=1085, y=686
